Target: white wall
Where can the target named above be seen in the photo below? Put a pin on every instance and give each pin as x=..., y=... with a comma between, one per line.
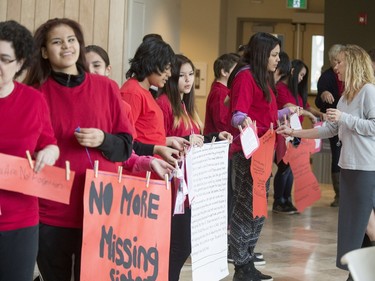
x=151, y=16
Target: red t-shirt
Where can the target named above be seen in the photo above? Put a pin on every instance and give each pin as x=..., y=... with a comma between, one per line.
x=284, y=96
x=147, y=116
x=96, y=103
x=247, y=97
x=181, y=130
x=217, y=114
x=127, y=110
x=25, y=125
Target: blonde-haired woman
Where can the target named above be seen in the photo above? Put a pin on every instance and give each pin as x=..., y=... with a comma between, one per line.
x=330, y=89
x=354, y=122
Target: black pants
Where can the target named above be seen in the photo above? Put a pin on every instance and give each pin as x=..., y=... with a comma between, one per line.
x=59, y=249
x=283, y=182
x=180, y=247
x=18, y=250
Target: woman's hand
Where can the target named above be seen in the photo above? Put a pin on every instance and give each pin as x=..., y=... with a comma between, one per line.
x=167, y=153
x=46, y=156
x=327, y=97
x=246, y=122
x=177, y=143
x=196, y=140
x=89, y=137
x=224, y=135
x=161, y=168
x=285, y=131
x=333, y=114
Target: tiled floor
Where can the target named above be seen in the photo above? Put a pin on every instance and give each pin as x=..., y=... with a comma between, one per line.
x=298, y=247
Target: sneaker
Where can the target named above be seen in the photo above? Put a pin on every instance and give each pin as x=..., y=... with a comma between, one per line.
x=291, y=207
x=258, y=255
x=281, y=208
x=246, y=272
x=264, y=277
x=258, y=261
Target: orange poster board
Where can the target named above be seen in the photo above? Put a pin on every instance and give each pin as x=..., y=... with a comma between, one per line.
x=306, y=186
x=261, y=168
x=50, y=183
x=126, y=228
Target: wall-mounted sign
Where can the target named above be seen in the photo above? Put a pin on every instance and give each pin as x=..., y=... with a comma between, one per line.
x=297, y=4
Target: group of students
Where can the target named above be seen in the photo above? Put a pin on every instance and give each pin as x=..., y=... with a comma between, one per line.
x=63, y=112
x=265, y=86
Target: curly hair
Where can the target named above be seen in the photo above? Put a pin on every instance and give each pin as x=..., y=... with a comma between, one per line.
x=22, y=42
x=358, y=70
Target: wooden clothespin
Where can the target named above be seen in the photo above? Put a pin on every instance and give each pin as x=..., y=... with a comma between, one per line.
x=28, y=155
x=148, y=176
x=271, y=127
x=240, y=128
x=67, y=170
x=278, y=123
x=166, y=177
x=213, y=140
x=96, y=168
x=119, y=171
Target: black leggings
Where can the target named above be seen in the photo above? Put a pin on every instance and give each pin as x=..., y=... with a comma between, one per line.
x=18, y=250
x=59, y=249
x=180, y=247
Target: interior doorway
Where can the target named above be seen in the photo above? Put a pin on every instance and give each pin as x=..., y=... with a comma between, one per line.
x=304, y=41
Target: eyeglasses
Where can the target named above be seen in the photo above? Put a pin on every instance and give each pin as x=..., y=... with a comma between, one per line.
x=6, y=61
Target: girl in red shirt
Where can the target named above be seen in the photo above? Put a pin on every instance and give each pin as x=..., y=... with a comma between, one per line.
x=252, y=98
x=291, y=91
x=88, y=119
x=181, y=119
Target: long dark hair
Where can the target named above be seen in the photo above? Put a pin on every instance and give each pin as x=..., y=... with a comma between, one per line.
x=173, y=93
x=284, y=66
x=298, y=89
x=256, y=54
x=41, y=68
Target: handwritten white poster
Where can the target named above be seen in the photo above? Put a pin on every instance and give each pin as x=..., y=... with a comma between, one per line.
x=207, y=174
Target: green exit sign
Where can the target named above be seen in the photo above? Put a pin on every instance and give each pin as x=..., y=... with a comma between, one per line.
x=297, y=4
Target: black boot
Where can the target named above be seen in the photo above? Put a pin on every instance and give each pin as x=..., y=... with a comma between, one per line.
x=246, y=272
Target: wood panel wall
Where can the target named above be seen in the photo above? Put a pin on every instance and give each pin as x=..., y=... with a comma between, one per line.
x=103, y=22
